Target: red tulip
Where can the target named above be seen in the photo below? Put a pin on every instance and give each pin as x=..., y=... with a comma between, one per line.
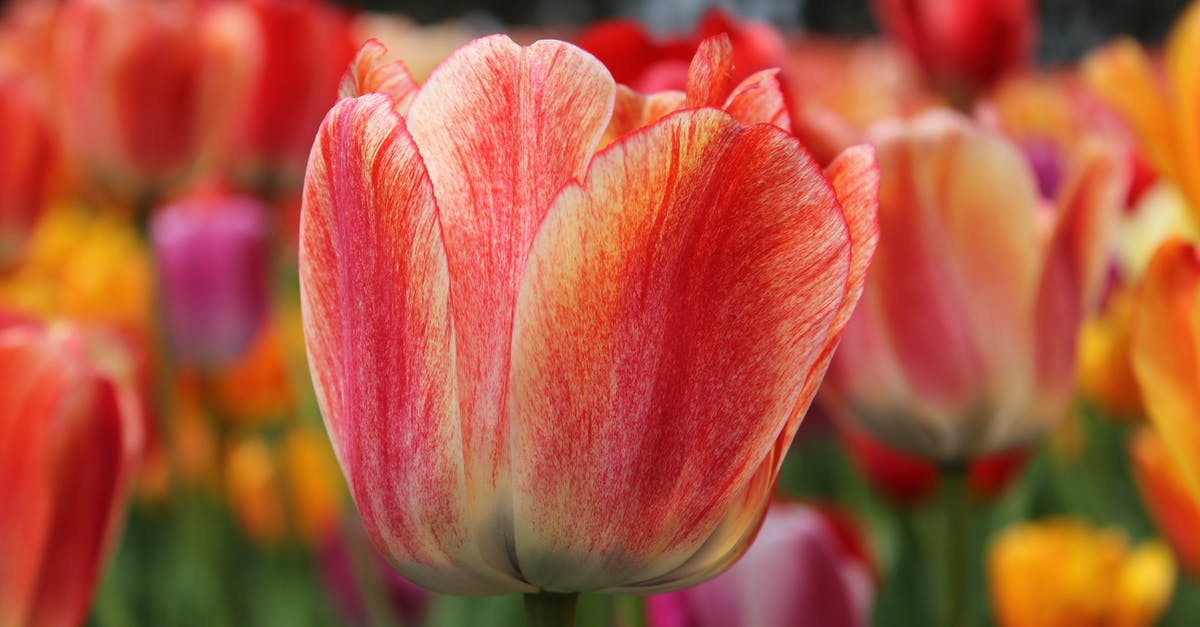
x=636, y=59
x=963, y=44
x=908, y=479
x=69, y=439
x=28, y=163
x=965, y=341
x=303, y=47
x=150, y=90
x=803, y=569
x=547, y=368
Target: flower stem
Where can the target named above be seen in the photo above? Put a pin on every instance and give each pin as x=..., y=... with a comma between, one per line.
x=547, y=609
x=956, y=502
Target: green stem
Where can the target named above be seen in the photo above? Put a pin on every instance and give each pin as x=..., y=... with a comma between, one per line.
x=956, y=501
x=547, y=609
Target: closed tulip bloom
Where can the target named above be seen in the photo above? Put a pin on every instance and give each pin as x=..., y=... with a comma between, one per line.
x=303, y=48
x=805, y=568
x=149, y=91
x=963, y=45
x=28, y=162
x=69, y=441
x=965, y=340
x=211, y=252
x=545, y=368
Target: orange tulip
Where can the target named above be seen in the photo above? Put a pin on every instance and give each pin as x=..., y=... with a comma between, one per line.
x=965, y=340
x=1160, y=107
x=549, y=368
x=1064, y=573
x=69, y=440
x=1165, y=354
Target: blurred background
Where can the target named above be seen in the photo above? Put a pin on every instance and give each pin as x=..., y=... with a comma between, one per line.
x=151, y=161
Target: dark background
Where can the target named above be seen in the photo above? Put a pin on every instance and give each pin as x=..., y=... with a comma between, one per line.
x=1069, y=27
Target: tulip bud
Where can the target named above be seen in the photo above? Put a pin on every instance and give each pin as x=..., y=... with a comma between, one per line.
x=28, y=157
x=70, y=438
x=805, y=568
x=212, y=259
x=965, y=341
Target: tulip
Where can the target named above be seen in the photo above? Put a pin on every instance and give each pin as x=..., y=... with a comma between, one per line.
x=28, y=158
x=546, y=369
x=635, y=59
x=69, y=442
x=805, y=568
x=149, y=90
x=965, y=340
x=1159, y=104
x=1165, y=355
x=211, y=252
x=1165, y=493
x=1061, y=573
x=966, y=45
x=303, y=49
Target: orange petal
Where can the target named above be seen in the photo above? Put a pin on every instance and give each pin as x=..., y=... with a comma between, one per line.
x=1165, y=344
x=1123, y=76
x=501, y=129
x=1183, y=71
x=381, y=344
x=670, y=312
x=370, y=72
x=632, y=111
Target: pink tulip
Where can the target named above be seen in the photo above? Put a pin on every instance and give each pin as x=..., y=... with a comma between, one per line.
x=965, y=340
x=211, y=253
x=546, y=368
x=69, y=439
x=803, y=569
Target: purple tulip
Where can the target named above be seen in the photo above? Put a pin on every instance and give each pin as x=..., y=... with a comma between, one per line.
x=212, y=261
x=801, y=570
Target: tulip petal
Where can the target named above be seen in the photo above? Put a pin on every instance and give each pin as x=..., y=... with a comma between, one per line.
x=1164, y=353
x=1073, y=273
x=33, y=385
x=670, y=312
x=759, y=99
x=91, y=452
x=710, y=73
x=501, y=129
x=1123, y=76
x=1183, y=68
x=375, y=294
x=632, y=111
x=370, y=72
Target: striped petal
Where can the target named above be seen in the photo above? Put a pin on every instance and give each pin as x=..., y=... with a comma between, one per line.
x=670, y=312
x=377, y=321
x=710, y=72
x=759, y=99
x=501, y=129
x=1165, y=348
x=372, y=73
